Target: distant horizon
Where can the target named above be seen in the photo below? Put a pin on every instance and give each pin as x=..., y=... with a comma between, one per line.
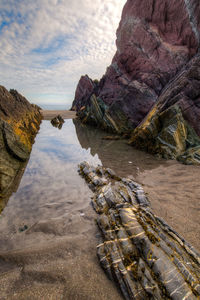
x=44, y=63
x=47, y=106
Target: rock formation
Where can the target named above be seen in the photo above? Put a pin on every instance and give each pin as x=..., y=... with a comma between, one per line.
x=139, y=251
x=156, y=61
x=172, y=127
x=19, y=123
x=155, y=39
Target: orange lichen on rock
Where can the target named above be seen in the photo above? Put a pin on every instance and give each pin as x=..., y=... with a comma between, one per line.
x=26, y=129
x=19, y=124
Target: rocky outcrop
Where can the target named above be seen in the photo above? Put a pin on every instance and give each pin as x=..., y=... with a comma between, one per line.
x=155, y=39
x=172, y=127
x=19, y=123
x=83, y=91
x=139, y=251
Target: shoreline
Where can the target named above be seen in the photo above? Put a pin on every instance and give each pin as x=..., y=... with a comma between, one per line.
x=50, y=114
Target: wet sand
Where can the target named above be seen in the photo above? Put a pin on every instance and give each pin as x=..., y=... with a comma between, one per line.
x=50, y=114
x=60, y=264
x=174, y=192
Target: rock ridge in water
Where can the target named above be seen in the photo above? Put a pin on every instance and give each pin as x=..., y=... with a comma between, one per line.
x=139, y=251
x=155, y=39
x=19, y=123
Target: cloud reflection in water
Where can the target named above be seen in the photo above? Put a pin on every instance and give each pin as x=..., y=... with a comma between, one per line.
x=51, y=186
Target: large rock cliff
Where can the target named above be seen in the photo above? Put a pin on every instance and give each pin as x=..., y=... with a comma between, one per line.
x=155, y=39
x=19, y=123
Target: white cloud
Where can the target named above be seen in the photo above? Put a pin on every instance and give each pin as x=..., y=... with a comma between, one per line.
x=46, y=45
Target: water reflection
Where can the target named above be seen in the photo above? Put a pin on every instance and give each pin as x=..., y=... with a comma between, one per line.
x=59, y=126
x=115, y=154
x=48, y=235
x=52, y=193
x=13, y=187
x=48, y=224
x=50, y=186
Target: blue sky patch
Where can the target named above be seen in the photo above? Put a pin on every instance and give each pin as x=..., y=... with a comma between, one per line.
x=44, y=49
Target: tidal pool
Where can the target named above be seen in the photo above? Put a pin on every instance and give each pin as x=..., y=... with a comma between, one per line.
x=48, y=233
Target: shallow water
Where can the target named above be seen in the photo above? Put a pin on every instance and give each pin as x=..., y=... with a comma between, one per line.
x=173, y=188
x=55, y=258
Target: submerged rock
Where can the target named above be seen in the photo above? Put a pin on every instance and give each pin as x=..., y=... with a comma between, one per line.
x=155, y=39
x=172, y=127
x=19, y=123
x=58, y=121
x=140, y=252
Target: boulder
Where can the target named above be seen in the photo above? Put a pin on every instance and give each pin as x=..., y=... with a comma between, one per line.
x=58, y=121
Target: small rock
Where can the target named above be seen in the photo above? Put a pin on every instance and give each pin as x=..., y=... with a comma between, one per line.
x=21, y=229
x=58, y=121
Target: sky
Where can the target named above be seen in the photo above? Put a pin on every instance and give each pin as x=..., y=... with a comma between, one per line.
x=46, y=45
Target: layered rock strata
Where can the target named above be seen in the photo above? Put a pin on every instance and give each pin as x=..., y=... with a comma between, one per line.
x=19, y=123
x=155, y=39
x=146, y=258
x=172, y=127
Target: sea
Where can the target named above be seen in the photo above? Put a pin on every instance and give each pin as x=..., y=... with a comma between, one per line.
x=55, y=106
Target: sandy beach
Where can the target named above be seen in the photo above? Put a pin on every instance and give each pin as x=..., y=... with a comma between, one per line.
x=50, y=114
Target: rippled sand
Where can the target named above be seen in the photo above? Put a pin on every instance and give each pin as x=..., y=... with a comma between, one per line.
x=55, y=258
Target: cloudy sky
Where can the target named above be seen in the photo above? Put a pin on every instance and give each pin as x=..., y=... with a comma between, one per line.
x=46, y=45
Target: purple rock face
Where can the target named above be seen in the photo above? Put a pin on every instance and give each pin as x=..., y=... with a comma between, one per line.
x=83, y=92
x=155, y=39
